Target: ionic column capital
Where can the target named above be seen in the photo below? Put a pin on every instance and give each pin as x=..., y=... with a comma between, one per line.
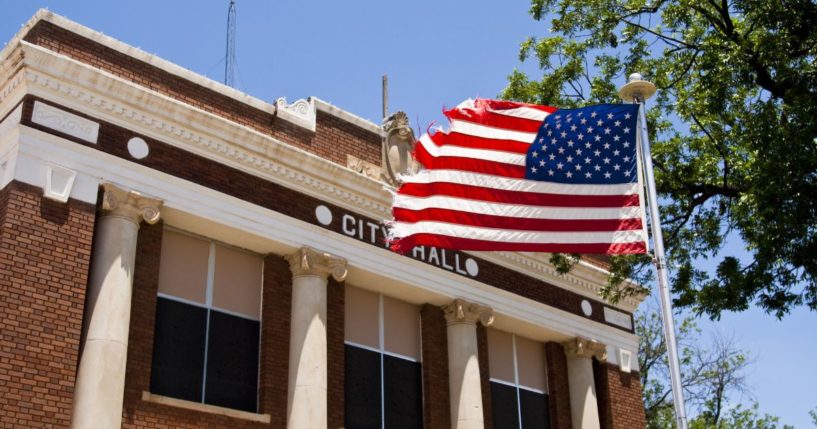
x=461, y=311
x=307, y=261
x=581, y=347
x=130, y=205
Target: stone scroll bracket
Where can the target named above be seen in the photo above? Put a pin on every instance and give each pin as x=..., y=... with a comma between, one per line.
x=462, y=311
x=130, y=205
x=301, y=112
x=581, y=347
x=307, y=261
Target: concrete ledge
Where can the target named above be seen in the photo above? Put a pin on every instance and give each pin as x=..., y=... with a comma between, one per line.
x=205, y=408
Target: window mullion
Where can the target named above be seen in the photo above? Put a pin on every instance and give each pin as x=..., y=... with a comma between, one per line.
x=382, y=343
x=211, y=271
x=516, y=381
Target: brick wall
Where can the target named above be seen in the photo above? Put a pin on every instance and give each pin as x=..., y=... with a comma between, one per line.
x=619, y=397
x=436, y=405
x=333, y=139
x=45, y=250
x=558, y=390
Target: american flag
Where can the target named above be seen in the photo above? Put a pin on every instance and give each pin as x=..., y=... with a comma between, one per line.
x=523, y=177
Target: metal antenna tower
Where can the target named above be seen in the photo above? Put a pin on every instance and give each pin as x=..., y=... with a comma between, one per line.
x=229, y=59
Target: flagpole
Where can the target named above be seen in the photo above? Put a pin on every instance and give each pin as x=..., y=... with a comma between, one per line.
x=638, y=91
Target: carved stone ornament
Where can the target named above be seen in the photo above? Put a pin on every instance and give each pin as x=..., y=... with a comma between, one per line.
x=461, y=311
x=307, y=261
x=396, y=149
x=364, y=167
x=301, y=112
x=585, y=348
x=129, y=204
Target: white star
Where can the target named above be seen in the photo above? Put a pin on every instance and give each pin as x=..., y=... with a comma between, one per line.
x=558, y=117
x=550, y=172
x=588, y=145
x=550, y=133
x=552, y=157
x=587, y=160
x=627, y=116
x=617, y=123
x=607, y=145
x=609, y=116
x=597, y=152
x=589, y=130
x=606, y=160
x=599, y=122
x=553, y=141
x=584, y=121
x=616, y=152
x=578, y=167
x=561, y=150
x=569, y=158
x=569, y=174
x=616, y=167
x=559, y=166
x=626, y=144
x=570, y=143
x=597, y=167
x=626, y=159
x=573, y=128
x=542, y=163
x=593, y=115
x=616, y=138
x=569, y=118
x=546, y=124
x=541, y=139
x=558, y=126
x=607, y=174
x=627, y=173
x=588, y=175
x=535, y=154
x=533, y=169
x=626, y=130
x=607, y=131
x=578, y=151
x=564, y=134
x=581, y=136
x=598, y=138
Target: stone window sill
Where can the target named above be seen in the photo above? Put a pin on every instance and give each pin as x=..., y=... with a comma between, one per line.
x=205, y=408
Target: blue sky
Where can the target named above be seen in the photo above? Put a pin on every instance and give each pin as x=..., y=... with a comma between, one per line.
x=436, y=54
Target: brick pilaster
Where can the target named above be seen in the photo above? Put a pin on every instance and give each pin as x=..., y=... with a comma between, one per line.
x=335, y=352
x=436, y=406
x=558, y=389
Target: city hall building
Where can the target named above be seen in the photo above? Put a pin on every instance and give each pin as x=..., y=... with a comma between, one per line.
x=175, y=253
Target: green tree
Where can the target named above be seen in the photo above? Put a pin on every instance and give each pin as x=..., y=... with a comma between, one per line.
x=734, y=126
x=714, y=378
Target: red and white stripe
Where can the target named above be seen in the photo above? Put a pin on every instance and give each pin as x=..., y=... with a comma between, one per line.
x=472, y=193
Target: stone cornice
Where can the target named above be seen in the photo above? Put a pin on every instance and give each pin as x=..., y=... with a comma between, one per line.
x=307, y=261
x=585, y=348
x=130, y=205
x=110, y=98
x=462, y=311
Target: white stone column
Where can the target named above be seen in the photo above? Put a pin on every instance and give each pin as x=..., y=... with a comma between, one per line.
x=584, y=407
x=100, y=382
x=463, y=362
x=306, y=401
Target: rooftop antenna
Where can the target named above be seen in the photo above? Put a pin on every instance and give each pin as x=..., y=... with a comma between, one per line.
x=229, y=61
x=385, y=96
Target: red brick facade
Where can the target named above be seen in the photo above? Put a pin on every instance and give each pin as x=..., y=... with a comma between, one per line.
x=46, y=247
x=45, y=251
x=485, y=375
x=619, y=397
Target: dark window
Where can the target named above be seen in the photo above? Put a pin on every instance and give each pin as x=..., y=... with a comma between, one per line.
x=207, y=328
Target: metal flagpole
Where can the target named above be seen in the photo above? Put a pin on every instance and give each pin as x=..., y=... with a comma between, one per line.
x=638, y=91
